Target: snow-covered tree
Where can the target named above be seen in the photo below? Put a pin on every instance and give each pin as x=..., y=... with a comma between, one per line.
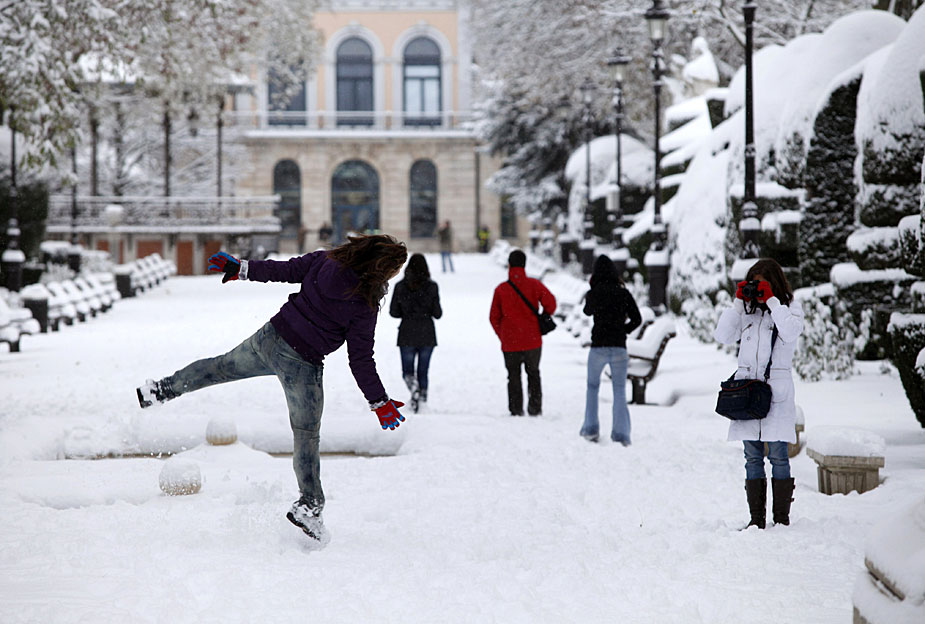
x=184, y=51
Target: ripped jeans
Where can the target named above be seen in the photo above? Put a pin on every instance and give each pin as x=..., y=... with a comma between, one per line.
x=266, y=353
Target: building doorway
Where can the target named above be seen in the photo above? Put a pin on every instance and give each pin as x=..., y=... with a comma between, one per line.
x=287, y=183
x=354, y=199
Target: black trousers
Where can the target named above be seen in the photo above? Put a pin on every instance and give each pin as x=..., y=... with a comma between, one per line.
x=530, y=360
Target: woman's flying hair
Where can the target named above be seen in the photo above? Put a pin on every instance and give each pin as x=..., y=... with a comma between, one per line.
x=375, y=258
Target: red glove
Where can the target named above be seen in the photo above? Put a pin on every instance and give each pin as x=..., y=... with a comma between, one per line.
x=224, y=263
x=764, y=292
x=389, y=416
x=739, y=287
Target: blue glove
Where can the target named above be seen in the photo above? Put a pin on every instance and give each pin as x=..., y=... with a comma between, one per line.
x=225, y=263
x=388, y=414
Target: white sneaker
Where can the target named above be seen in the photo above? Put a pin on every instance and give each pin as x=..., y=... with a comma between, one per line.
x=309, y=520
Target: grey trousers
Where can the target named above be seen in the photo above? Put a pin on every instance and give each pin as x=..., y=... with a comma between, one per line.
x=265, y=353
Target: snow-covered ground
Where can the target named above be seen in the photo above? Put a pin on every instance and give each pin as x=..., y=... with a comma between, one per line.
x=462, y=515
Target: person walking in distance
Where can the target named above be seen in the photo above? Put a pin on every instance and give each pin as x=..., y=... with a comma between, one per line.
x=338, y=301
x=445, y=234
x=767, y=322
x=416, y=301
x=518, y=329
x=615, y=315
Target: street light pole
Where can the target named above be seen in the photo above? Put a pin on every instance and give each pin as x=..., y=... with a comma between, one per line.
x=13, y=257
x=618, y=62
x=588, y=87
x=656, y=259
x=749, y=225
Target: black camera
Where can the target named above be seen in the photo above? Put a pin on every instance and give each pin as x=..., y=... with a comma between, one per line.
x=750, y=290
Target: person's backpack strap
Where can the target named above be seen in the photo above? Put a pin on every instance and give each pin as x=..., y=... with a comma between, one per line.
x=527, y=301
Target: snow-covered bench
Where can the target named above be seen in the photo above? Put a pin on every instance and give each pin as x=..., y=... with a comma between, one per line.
x=60, y=305
x=847, y=459
x=646, y=353
x=892, y=589
x=15, y=321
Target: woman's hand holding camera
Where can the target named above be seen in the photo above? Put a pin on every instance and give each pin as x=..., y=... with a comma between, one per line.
x=754, y=290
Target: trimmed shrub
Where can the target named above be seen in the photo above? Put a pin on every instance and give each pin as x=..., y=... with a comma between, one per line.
x=907, y=332
x=830, y=186
x=826, y=347
x=875, y=248
x=912, y=250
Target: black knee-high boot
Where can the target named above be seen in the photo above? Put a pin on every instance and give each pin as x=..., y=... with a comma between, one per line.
x=756, y=490
x=783, y=496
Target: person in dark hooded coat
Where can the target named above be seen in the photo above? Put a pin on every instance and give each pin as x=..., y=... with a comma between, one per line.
x=416, y=301
x=615, y=315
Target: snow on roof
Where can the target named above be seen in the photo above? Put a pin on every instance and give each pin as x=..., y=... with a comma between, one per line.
x=890, y=99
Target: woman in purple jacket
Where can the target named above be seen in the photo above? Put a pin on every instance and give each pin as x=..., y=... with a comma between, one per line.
x=338, y=302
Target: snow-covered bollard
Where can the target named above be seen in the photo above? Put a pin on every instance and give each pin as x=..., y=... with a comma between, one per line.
x=221, y=431
x=892, y=589
x=847, y=459
x=180, y=477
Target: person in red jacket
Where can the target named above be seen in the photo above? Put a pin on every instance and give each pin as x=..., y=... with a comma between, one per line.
x=518, y=329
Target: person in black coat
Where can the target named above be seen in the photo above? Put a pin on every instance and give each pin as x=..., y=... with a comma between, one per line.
x=615, y=315
x=416, y=301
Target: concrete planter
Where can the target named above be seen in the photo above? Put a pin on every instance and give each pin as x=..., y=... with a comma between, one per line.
x=840, y=474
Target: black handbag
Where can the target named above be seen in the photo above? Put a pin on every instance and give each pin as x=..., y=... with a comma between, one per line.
x=746, y=399
x=547, y=324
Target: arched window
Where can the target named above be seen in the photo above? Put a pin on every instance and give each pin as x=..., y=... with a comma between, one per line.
x=354, y=199
x=284, y=111
x=423, y=199
x=422, y=83
x=287, y=183
x=354, y=82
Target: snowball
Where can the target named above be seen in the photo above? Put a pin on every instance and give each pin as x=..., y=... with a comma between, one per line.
x=845, y=442
x=221, y=431
x=179, y=477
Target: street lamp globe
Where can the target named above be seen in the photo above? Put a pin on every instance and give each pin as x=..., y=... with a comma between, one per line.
x=617, y=63
x=657, y=17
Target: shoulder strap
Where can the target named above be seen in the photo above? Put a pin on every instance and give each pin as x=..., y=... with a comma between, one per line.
x=527, y=301
x=767, y=371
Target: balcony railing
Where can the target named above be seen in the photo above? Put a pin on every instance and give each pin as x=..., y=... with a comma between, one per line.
x=102, y=213
x=459, y=121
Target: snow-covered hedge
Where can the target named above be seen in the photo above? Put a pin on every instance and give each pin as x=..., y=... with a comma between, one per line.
x=907, y=332
x=829, y=340
x=875, y=248
x=910, y=243
x=830, y=188
x=878, y=292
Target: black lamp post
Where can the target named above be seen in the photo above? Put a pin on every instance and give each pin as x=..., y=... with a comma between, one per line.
x=656, y=259
x=618, y=62
x=749, y=225
x=73, y=254
x=588, y=87
x=13, y=257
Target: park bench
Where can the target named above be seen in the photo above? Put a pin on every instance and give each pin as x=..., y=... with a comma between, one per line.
x=62, y=300
x=847, y=459
x=646, y=353
x=15, y=321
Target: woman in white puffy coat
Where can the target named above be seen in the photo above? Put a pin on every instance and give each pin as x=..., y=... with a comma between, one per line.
x=751, y=324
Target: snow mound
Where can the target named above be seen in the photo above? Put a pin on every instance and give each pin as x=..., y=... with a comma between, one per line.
x=221, y=431
x=845, y=442
x=180, y=477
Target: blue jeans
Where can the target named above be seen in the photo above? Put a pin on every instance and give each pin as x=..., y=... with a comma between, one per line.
x=265, y=353
x=777, y=455
x=407, y=363
x=618, y=359
x=445, y=258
